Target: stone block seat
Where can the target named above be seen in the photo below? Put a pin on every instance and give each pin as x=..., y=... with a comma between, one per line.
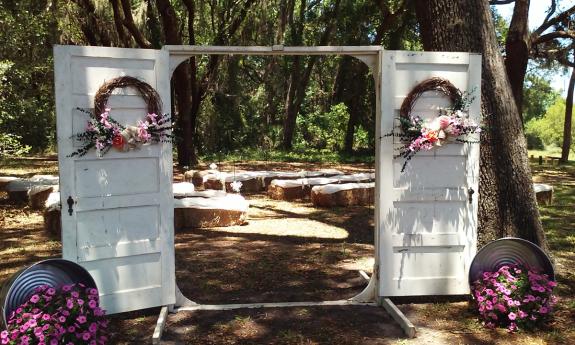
x=301, y=188
x=544, y=193
x=210, y=209
x=347, y=194
x=35, y=189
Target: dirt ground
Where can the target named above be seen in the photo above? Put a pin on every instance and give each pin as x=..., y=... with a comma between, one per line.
x=289, y=251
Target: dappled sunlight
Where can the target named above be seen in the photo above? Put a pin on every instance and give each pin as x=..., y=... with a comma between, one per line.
x=278, y=227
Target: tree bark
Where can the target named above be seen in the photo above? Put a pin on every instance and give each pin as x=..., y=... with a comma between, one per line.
x=507, y=204
x=566, y=147
x=517, y=47
x=181, y=80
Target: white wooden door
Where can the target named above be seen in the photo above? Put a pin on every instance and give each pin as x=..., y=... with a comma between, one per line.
x=427, y=225
x=121, y=226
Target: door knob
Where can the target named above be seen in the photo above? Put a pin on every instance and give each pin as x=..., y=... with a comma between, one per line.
x=70, y=202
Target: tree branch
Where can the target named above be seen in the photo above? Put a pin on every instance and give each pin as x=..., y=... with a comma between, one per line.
x=131, y=26
x=500, y=2
x=553, y=35
x=557, y=19
x=118, y=21
x=552, y=10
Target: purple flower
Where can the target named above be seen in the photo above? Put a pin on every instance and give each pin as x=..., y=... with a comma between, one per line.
x=92, y=304
x=66, y=288
x=81, y=319
x=86, y=336
x=33, y=299
x=62, y=319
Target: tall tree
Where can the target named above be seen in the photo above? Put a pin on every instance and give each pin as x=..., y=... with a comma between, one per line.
x=566, y=147
x=507, y=201
x=300, y=75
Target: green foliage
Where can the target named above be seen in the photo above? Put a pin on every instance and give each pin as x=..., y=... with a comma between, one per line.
x=501, y=26
x=27, y=30
x=320, y=130
x=11, y=145
x=538, y=96
x=549, y=128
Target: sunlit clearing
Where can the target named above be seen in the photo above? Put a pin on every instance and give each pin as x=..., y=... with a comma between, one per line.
x=297, y=228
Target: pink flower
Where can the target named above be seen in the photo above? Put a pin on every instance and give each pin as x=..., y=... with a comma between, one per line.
x=512, y=316
x=543, y=310
x=444, y=121
x=81, y=319
x=33, y=299
x=86, y=336
x=92, y=304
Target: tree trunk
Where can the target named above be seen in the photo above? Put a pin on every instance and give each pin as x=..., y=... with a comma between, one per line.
x=181, y=78
x=568, y=119
x=517, y=48
x=507, y=205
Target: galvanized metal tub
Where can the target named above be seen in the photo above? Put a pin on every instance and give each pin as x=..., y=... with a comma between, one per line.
x=53, y=272
x=508, y=251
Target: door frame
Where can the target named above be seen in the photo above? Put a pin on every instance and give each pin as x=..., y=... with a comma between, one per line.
x=372, y=57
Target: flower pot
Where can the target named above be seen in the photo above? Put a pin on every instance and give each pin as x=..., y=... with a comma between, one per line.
x=510, y=251
x=53, y=272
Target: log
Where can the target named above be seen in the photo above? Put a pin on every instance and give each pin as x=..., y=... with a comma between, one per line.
x=218, y=211
x=544, y=193
x=349, y=194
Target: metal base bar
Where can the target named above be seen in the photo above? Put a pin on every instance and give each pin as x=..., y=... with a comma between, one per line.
x=157, y=337
x=399, y=317
x=270, y=305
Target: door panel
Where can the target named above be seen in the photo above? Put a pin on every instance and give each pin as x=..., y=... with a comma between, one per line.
x=121, y=226
x=427, y=225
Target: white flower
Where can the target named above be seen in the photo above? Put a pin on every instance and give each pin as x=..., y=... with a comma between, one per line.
x=236, y=186
x=213, y=166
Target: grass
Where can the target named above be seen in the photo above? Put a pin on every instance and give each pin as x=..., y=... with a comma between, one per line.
x=304, y=156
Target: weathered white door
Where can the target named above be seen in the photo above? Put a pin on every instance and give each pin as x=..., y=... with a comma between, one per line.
x=120, y=227
x=427, y=219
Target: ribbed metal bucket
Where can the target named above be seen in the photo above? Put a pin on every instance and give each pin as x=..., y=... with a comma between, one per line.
x=508, y=251
x=53, y=272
